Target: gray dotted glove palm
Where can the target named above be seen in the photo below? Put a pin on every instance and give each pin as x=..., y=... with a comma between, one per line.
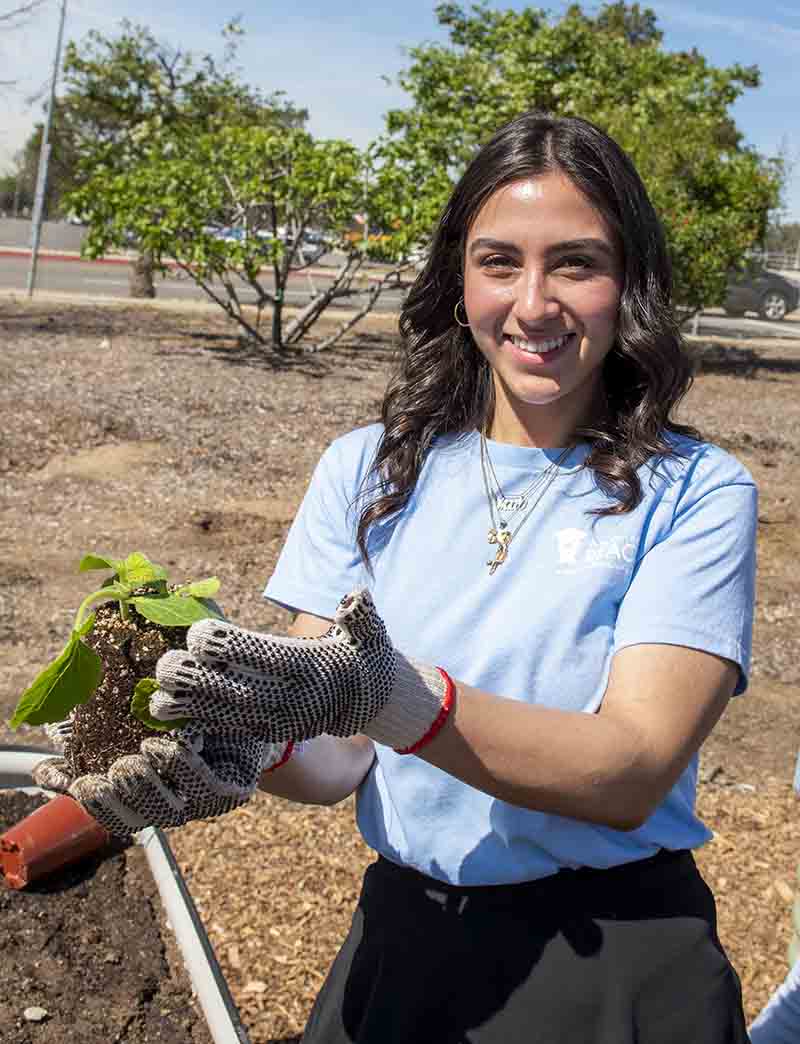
x=350, y=680
x=172, y=780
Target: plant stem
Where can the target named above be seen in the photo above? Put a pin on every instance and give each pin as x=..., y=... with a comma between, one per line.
x=95, y=596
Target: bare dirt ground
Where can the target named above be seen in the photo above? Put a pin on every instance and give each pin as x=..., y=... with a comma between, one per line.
x=146, y=428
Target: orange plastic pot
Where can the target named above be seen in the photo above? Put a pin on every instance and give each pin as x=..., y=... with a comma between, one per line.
x=58, y=833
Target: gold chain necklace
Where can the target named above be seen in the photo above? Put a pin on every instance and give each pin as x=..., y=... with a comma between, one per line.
x=499, y=532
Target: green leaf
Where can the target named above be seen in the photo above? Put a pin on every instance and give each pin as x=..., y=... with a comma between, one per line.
x=171, y=610
x=67, y=681
x=140, y=707
x=137, y=569
x=97, y=562
x=201, y=588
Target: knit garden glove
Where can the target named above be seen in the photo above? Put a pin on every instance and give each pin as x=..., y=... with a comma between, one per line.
x=350, y=680
x=173, y=779
x=54, y=773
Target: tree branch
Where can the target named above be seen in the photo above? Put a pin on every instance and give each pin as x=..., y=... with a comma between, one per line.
x=348, y=324
x=340, y=287
x=226, y=306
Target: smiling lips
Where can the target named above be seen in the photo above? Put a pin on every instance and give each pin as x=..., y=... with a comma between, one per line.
x=540, y=347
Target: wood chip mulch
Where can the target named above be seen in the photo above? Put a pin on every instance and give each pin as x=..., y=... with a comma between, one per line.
x=277, y=884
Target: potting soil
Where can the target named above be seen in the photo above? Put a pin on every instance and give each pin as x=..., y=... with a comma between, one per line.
x=89, y=946
x=103, y=729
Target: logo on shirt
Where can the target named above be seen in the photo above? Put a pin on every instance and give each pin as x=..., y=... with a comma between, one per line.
x=578, y=550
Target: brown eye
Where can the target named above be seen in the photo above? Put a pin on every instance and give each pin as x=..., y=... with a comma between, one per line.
x=496, y=261
x=577, y=261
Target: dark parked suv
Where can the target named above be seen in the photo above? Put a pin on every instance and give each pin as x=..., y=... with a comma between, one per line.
x=755, y=289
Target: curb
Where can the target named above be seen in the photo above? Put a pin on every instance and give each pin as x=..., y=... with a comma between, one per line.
x=56, y=255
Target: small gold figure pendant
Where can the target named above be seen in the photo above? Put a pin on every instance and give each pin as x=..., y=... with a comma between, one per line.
x=501, y=537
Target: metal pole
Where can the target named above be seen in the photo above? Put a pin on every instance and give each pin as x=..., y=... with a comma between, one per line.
x=366, y=212
x=44, y=156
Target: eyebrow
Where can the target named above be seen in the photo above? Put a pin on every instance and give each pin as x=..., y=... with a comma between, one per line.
x=588, y=243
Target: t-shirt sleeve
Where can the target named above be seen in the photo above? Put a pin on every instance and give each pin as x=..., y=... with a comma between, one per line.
x=694, y=585
x=320, y=562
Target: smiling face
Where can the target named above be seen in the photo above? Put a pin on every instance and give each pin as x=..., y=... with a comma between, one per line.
x=542, y=285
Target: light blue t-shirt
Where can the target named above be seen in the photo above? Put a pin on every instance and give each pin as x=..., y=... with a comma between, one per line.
x=678, y=569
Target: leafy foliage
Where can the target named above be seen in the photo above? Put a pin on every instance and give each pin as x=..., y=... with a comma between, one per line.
x=669, y=110
x=75, y=674
x=272, y=187
x=119, y=89
x=126, y=91
x=181, y=150
x=69, y=680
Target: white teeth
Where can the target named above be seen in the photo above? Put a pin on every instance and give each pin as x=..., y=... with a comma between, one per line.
x=540, y=347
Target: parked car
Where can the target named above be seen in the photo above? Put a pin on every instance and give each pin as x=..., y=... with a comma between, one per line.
x=756, y=289
x=312, y=247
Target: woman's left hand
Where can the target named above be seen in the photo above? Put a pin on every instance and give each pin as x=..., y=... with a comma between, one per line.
x=172, y=779
x=351, y=680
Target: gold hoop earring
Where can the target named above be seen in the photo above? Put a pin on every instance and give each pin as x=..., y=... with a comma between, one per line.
x=460, y=301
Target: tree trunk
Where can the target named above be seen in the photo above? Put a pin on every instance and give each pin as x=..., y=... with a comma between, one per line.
x=141, y=282
x=277, y=321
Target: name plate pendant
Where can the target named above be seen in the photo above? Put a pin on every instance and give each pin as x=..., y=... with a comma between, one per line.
x=510, y=505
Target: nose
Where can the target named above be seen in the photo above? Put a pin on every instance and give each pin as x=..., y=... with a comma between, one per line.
x=535, y=301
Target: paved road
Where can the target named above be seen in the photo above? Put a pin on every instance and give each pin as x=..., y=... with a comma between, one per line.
x=111, y=280
x=56, y=235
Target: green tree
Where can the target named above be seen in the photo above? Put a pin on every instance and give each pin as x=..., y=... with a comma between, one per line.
x=9, y=194
x=636, y=25
x=268, y=188
x=61, y=169
x=16, y=194
x=669, y=110
x=123, y=92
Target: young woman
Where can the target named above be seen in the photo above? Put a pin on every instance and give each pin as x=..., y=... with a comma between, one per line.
x=551, y=601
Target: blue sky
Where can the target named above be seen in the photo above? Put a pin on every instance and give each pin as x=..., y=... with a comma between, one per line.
x=331, y=59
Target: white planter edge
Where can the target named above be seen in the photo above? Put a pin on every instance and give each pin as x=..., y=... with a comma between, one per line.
x=208, y=982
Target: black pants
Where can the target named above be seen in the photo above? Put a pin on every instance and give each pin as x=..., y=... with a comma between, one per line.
x=622, y=956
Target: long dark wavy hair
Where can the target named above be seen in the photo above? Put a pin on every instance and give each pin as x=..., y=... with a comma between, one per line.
x=444, y=385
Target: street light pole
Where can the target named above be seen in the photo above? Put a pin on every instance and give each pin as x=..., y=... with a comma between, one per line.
x=366, y=211
x=44, y=156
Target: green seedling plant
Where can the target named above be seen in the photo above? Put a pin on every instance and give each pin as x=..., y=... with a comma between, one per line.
x=75, y=674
